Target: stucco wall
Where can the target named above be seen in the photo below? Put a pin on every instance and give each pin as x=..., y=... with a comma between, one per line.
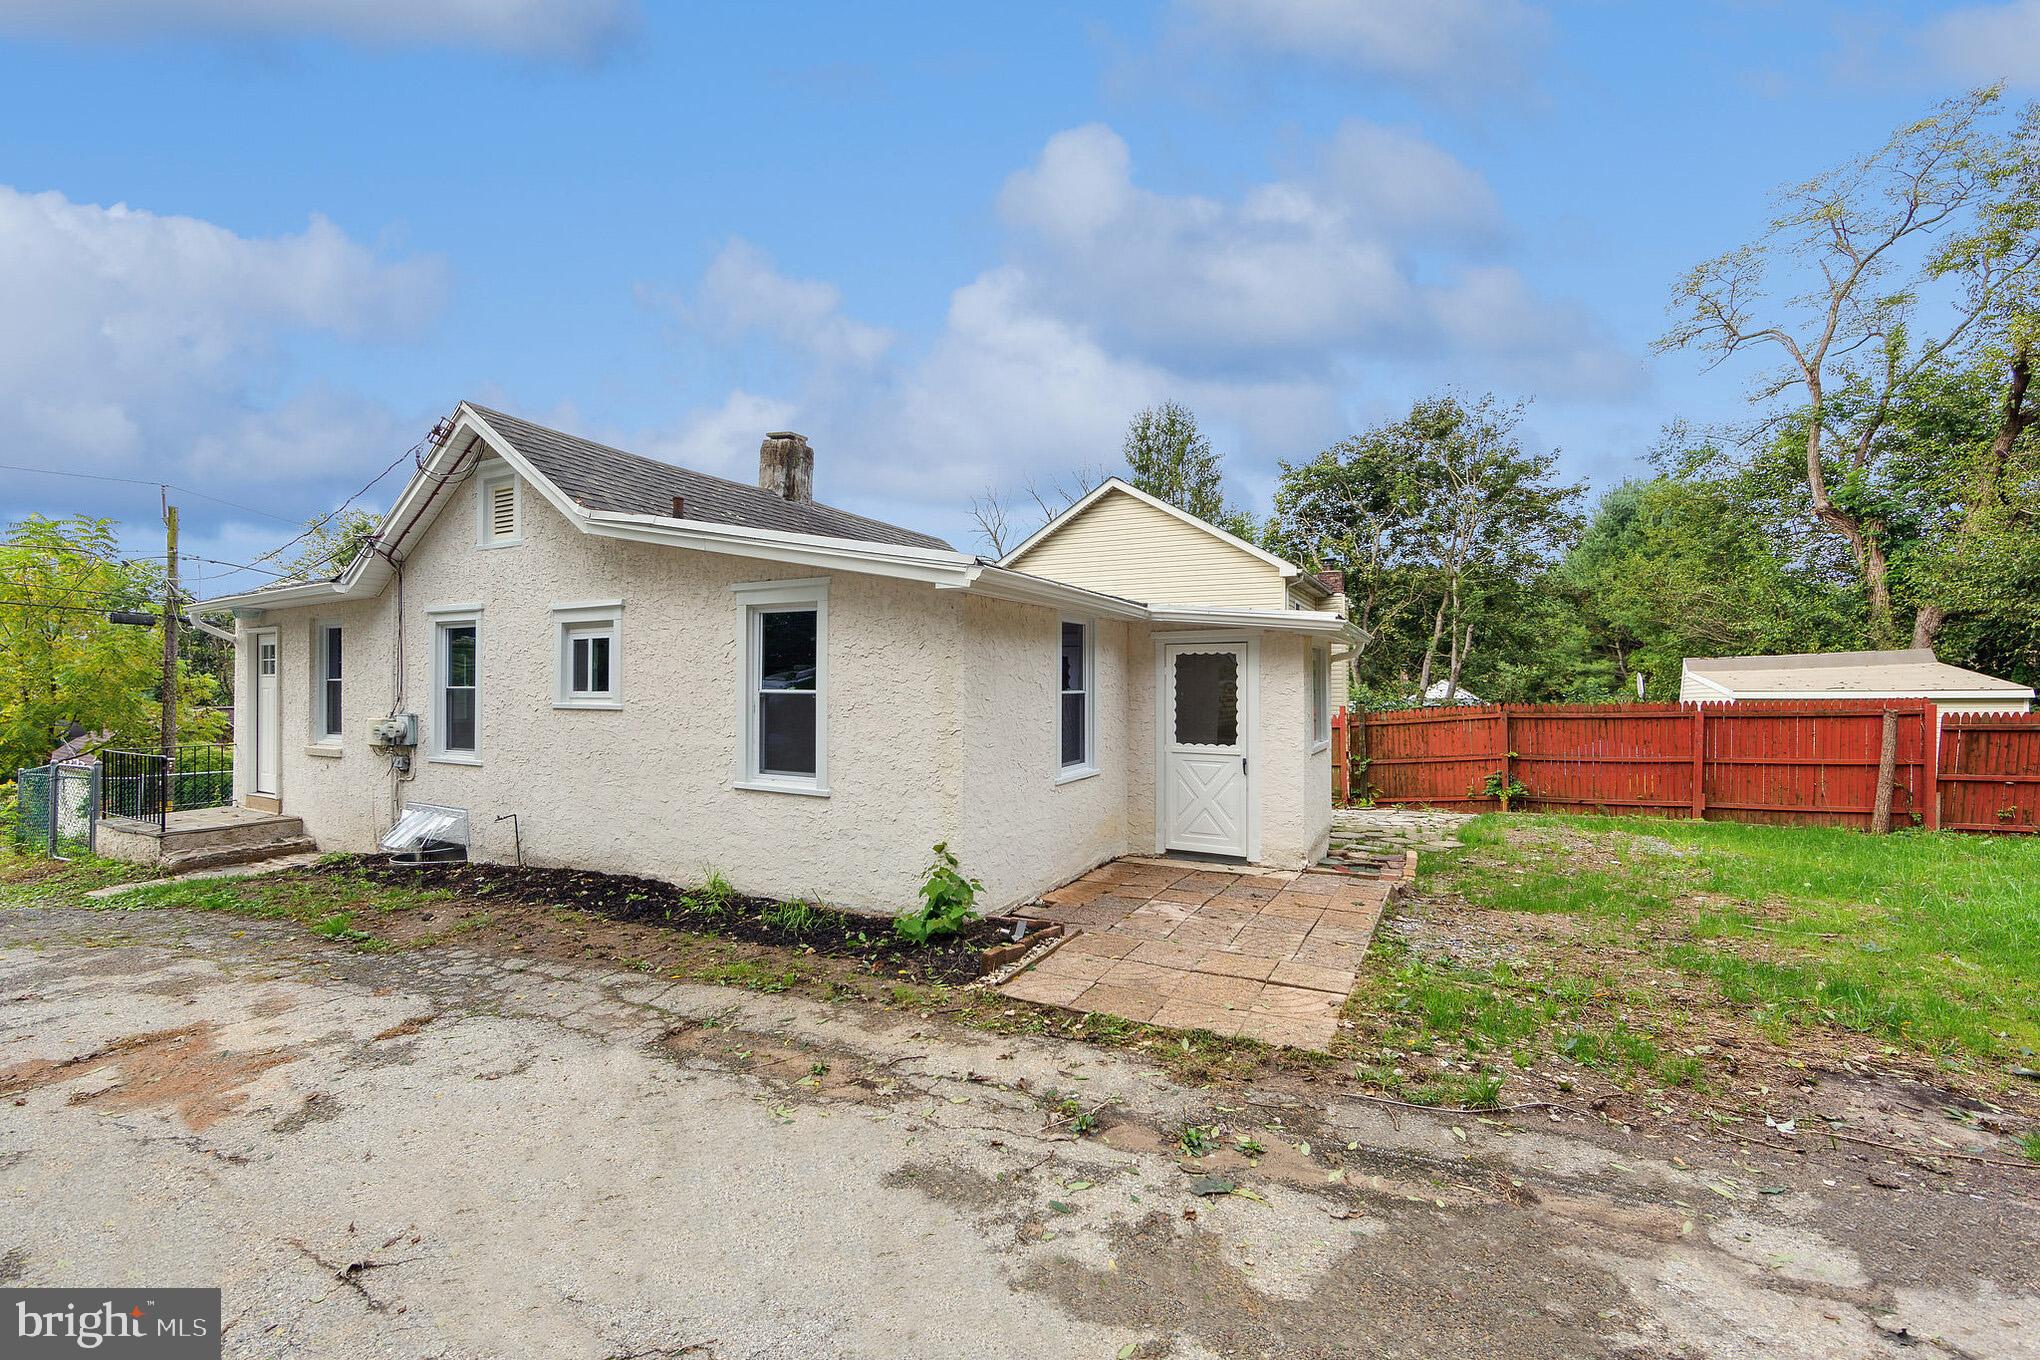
x=942, y=725
x=1294, y=784
x=1022, y=830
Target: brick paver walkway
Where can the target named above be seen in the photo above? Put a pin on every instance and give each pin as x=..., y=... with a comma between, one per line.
x=1268, y=955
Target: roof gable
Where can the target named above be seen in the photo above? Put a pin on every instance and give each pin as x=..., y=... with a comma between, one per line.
x=1119, y=486
x=598, y=477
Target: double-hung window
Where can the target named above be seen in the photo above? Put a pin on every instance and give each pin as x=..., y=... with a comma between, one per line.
x=1076, y=676
x=1320, y=697
x=457, y=685
x=326, y=711
x=589, y=646
x=785, y=720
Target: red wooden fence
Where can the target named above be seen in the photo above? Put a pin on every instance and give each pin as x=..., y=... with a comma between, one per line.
x=1989, y=773
x=1805, y=761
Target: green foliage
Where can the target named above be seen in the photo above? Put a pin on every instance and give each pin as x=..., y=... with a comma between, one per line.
x=796, y=918
x=1169, y=458
x=62, y=661
x=1444, y=526
x=947, y=901
x=330, y=545
x=339, y=926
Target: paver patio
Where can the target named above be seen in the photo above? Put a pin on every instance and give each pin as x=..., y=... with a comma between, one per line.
x=1263, y=954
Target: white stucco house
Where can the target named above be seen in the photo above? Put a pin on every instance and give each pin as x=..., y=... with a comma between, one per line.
x=1910, y=673
x=660, y=672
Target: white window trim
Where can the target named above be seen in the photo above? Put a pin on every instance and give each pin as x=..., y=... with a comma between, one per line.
x=1084, y=769
x=1320, y=725
x=320, y=636
x=567, y=619
x=755, y=597
x=491, y=478
x=444, y=617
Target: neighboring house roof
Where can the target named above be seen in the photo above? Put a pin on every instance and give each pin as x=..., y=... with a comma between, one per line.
x=848, y=543
x=77, y=743
x=603, y=478
x=1115, y=484
x=1913, y=672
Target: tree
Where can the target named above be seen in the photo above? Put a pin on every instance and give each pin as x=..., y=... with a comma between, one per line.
x=1169, y=458
x=330, y=545
x=1911, y=258
x=63, y=660
x=1669, y=568
x=1439, y=519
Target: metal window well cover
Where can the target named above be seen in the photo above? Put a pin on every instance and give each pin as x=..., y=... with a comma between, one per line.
x=424, y=822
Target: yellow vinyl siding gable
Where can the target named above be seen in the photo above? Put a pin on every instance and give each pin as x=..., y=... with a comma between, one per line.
x=1122, y=546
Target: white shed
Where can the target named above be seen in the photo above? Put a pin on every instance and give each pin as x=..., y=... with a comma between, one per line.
x=1913, y=673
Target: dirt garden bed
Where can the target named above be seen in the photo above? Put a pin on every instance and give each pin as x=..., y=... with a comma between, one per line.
x=710, y=910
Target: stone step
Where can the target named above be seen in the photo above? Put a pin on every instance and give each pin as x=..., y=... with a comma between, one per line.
x=213, y=856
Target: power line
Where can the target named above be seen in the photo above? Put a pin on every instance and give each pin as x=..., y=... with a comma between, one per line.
x=64, y=608
x=143, y=481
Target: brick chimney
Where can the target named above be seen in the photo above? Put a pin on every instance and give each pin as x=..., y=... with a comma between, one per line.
x=786, y=466
x=1334, y=581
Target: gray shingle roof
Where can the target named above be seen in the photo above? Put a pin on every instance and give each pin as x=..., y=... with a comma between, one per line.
x=602, y=478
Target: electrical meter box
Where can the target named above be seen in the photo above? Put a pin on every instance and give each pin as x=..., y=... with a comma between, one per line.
x=399, y=729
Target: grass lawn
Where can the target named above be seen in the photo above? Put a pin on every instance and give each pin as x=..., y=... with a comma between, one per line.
x=1628, y=944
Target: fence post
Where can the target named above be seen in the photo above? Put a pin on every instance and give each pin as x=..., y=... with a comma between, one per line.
x=1930, y=765
x=1505, y=757
x=1699, y=762
x=1887, y=774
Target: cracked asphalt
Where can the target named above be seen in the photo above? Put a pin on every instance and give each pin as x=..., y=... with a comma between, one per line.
x=457, y=1153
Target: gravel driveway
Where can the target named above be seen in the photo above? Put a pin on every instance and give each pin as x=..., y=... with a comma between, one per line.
x=455, y=1153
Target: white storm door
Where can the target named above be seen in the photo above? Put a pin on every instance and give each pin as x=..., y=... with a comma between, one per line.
x=1204, y=747
x=268, y=717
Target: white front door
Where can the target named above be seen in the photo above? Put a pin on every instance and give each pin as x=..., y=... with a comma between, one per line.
x=268, y=717
x=1205, y=797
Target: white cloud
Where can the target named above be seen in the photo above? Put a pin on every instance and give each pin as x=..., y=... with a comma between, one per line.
x=1464, y=46
x=1986, y=43
x=135, y=344
x=1369, y=275
x=743, y=292
x=570, y=29
x=1375, y=250
x=721, y=439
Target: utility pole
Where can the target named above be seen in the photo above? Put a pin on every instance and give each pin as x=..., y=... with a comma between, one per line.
x=169, y=647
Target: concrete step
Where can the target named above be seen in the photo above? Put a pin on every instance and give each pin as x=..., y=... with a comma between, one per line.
x=236, y=827
x=213, y=856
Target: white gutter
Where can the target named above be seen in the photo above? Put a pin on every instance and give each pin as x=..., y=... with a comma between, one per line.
x=1935, y=696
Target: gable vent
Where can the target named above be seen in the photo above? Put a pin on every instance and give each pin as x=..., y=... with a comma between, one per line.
x=503, y=509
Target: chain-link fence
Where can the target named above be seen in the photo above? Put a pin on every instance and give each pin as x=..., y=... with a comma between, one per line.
x=56, y=809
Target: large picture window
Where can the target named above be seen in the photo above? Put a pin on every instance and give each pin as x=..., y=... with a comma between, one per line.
x=1074, y=670
x=785, y=693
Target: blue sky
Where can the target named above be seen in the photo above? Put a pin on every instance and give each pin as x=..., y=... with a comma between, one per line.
x=255, y=249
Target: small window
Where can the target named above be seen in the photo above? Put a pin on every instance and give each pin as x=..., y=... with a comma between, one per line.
x=326, y=701
x=1320, y=697
x=786, y=718
x=460, y=687
x=1075, y=675
x=265, y=654
x=502, y=516
x=589, y=647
